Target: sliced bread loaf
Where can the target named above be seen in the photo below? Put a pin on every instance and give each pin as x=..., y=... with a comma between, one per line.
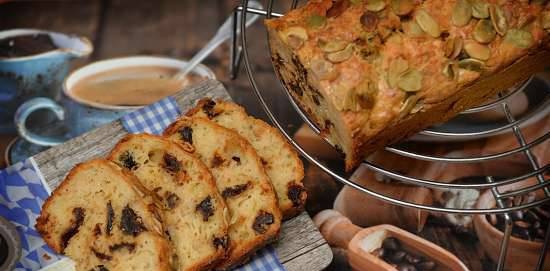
x=281, y=162
x=241, y=179
x=194, y=212
x=102, y=218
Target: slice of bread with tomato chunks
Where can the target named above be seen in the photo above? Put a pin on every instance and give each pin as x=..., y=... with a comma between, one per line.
x=280, y=160
x=103, y=219
x=194, y=213
x=241, y=179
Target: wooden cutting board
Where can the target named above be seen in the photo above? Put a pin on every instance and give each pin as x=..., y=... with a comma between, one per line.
x=300, y=246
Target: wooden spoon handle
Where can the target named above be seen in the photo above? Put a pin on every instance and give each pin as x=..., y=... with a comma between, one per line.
x=335, y=228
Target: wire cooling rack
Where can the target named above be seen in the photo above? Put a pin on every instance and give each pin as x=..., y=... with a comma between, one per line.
x=240, y=52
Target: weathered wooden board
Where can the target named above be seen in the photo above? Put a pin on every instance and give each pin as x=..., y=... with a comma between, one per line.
x=300, y=247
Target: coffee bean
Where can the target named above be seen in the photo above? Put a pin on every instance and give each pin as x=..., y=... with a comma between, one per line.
x=391, y=243
x=535, y=225
x=522, y=224
x=517, y=215
x=540, y=233
x=412, y=259
x=531, y=216
x=397, y=256
x=379, y=252
x=406, y=267
x=426, y=265
x=542, y=213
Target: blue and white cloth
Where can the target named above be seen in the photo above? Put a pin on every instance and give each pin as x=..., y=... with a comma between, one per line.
x=23, y=190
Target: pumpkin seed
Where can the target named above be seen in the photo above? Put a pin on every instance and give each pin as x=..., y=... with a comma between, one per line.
x=412, y=29
x=484, y=31
x=376, y=5
x=477, y=51
x=427, y=23
x=397, y=67
x=369, y=20
x=462, y=13
x=499, y=19
x=471, y=64
x=407, y=105
x=356, y=2
x=402, y=7
x=453, y=47
x=341, y=56
x=323, y=69
x=519, y=38
x=294, y=36
x=332, y=45
x=450, y=70
x=418, y=107
x=410, y=81
x=546, y=20
x=316, y=21
x=480, y=9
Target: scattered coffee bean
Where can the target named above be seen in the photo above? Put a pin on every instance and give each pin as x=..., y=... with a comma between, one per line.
x=406, y=267
x=395, y=255
x=391, y=243
x=526, y=224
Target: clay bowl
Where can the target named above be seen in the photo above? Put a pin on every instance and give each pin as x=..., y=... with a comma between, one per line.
x=371, y=238
x=521, y=253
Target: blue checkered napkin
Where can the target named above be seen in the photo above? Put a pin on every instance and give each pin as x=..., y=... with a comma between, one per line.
x=153, y=119
x=22, y=193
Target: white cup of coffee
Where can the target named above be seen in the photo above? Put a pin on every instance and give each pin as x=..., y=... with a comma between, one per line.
x=106, y=90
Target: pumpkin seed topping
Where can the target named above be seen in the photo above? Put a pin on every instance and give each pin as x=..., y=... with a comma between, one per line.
x=356, y=2
x=369, y=20
x=294, y=36
x=462, y=13
x=376, y=5
x=410, y=81
x=427, y=23
x=397, y=67
x=408, y=105
x=546, y=20
x=480, y=9
x=471, y=64
x=450, y=70
x=323, y=69
x=332, y=45
x=453, y=47
x=402, y=7
x=341, y=56
x=477, y=51
x=316, y=21
x=412, y=29
x=519, y=38
x=499, y=20
x=484, y=31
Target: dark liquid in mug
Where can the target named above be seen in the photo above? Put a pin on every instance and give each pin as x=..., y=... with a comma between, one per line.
x=26, y=45
x=133, y=86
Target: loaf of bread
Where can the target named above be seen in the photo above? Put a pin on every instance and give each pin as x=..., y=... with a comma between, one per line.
x=240, y=178
x=370, y=73
x=280, y=160
x=102, y=218
x=194, y=214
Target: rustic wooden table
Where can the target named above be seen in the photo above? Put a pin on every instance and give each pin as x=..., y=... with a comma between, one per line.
x=178, y=29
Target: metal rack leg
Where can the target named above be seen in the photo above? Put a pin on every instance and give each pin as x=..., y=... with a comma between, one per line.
x=507, y=229
x=236, y=50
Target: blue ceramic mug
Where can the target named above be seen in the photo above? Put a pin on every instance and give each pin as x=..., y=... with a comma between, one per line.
x=39, y=75
x=81, y=115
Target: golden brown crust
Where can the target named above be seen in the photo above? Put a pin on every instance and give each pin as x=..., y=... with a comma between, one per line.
x=281, y=162
x=240, y=178
x=361, y=69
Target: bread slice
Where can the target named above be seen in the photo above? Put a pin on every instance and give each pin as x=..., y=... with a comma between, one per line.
x=281, y=162
x=241, y=179
x=102, y=218
x=195, y=215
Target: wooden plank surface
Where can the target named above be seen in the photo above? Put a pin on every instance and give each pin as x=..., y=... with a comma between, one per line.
x=300, y=247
